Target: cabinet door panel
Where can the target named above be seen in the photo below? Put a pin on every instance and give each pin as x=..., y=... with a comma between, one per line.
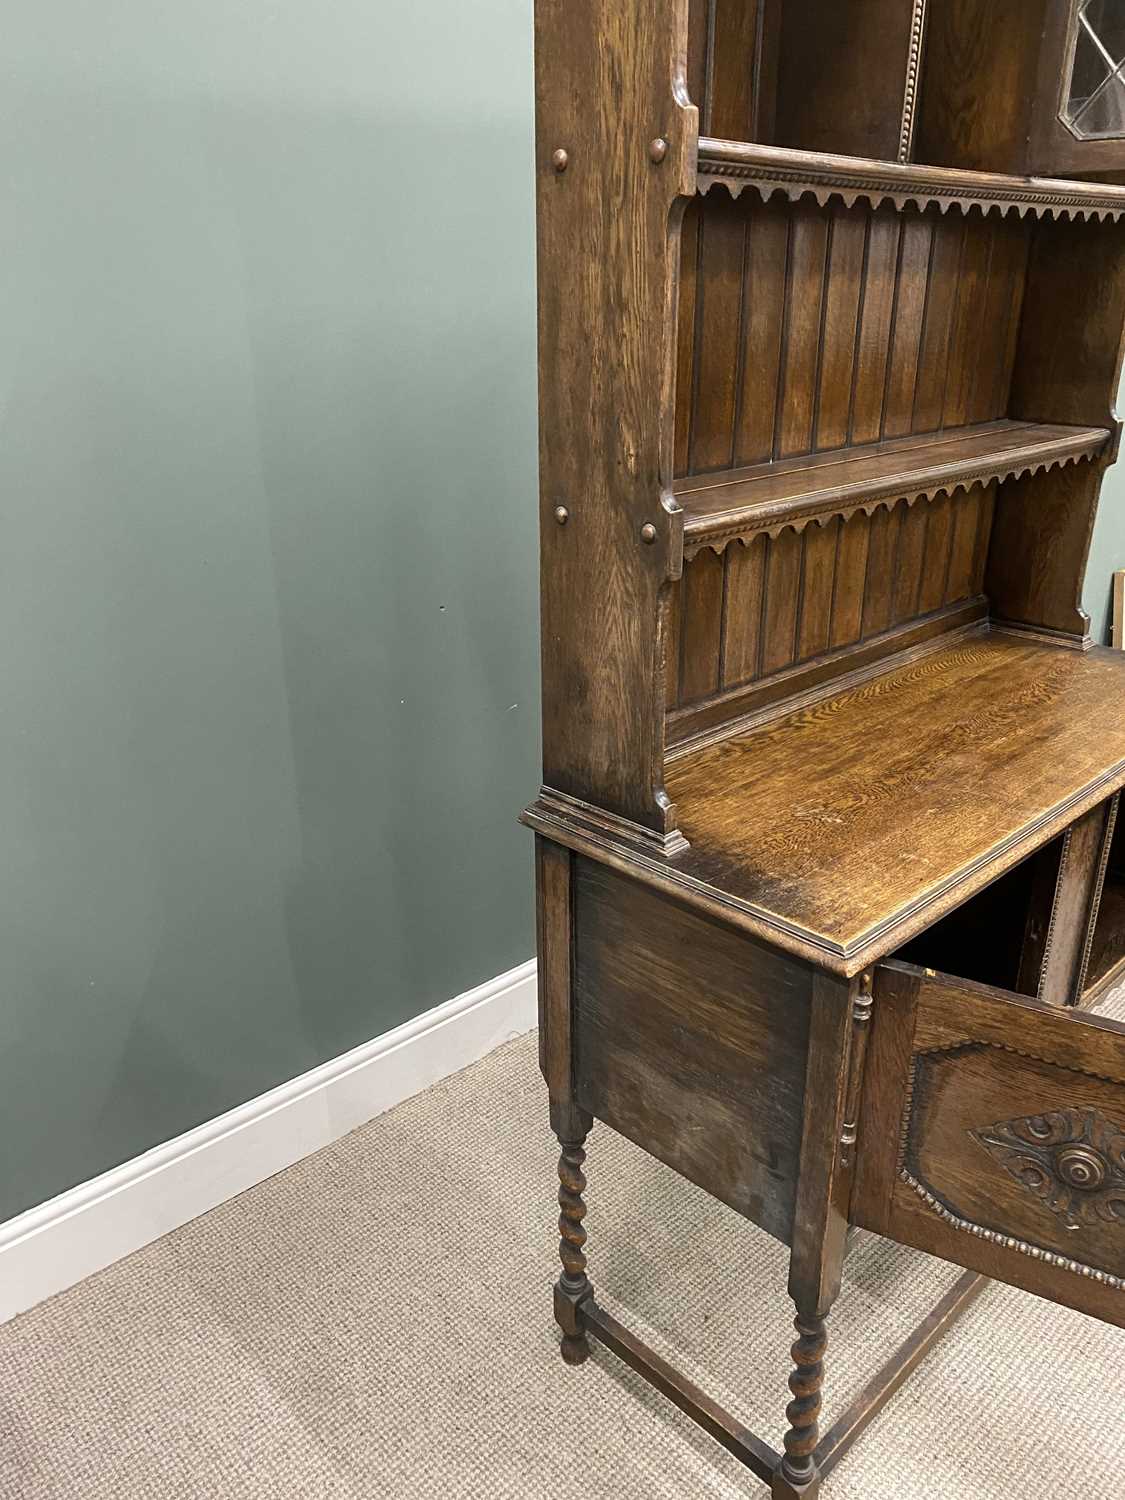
x=993, y=1135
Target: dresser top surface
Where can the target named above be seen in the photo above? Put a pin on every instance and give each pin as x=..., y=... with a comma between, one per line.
x=844, y=827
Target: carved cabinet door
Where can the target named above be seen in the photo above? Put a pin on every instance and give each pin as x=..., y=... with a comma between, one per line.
x=993, y=1135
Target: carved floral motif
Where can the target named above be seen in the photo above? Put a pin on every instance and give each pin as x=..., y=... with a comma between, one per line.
x=1073, y=1160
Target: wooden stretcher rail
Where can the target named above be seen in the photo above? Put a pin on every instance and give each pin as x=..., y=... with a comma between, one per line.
x=758, y=1456
x=897, y=1370
x=734, y=1436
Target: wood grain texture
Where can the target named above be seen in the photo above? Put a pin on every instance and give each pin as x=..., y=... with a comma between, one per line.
x=724, y=1104
x=573, y=1288
x=804, y=296
x=742, y=621
x=875, y=322
x=910, y=554
x=762, y=170
x=763, y=322
x=609, y=79
x=933, y=587
x=673, y=635
x=701, y=628
x=685, y=333
x=879, y=582
x=847, y=821
x=699, y=54
x=971, y=337
x=779, y=618
x=843, y=285
x=813, y=596
x=999, y=325
x=742, y=707
x=732, y=67
x=732, y=101
x=818, y=574
x=961, y=580
x=944, y=292
x=1107, y=950
x=720, y=261
x=1068, y=360
x=1033, y=886
x=850, y=579
x=554, y=932
x=762, y=497
x=1036, y=561
x=1068, y=352
x=911, y=289
x=842, y=71
x=993, y=1083
x=817, y=700
x=820, y=1222
x=821, y=1215
x=553, y=940
x=839, y=326
x=889, y=1051
x=797, y=1475
x=1074, y=909
x=982, y=59
x=993, y=70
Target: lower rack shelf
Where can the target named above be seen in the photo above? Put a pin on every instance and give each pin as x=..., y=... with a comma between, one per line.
x=737, y=503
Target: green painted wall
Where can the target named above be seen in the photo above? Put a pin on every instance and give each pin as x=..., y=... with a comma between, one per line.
x=1107, y=550
x=268, y=657
x=267, y=566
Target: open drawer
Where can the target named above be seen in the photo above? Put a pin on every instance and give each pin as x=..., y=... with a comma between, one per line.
x=993, y=1135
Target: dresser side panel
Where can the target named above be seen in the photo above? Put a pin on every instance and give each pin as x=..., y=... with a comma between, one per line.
x=691, y=1040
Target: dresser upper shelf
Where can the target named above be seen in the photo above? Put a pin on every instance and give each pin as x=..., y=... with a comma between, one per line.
x=720, y=507
x=769, y=169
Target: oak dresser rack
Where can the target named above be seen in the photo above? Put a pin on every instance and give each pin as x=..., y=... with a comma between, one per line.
x=829, y=873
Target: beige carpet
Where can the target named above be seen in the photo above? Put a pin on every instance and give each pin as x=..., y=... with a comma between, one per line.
x=376, y=1322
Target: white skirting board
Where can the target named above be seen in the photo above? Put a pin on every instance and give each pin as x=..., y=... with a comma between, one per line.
x=55, y=1245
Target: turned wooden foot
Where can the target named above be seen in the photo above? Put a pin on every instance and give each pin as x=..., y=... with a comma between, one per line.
x=573, y=1286
x=783, y=1488
x=797, y=1475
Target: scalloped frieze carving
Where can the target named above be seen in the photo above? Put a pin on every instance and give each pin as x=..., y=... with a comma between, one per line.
x=718, y=538
x=772, y=169
x=737, y=177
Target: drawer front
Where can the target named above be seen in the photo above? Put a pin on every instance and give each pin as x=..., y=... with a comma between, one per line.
x=993, y=1135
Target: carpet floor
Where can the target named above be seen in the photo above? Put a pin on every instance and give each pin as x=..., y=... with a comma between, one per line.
x=376, y=1322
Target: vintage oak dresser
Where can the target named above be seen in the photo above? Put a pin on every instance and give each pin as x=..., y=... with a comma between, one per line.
x=831, y=298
